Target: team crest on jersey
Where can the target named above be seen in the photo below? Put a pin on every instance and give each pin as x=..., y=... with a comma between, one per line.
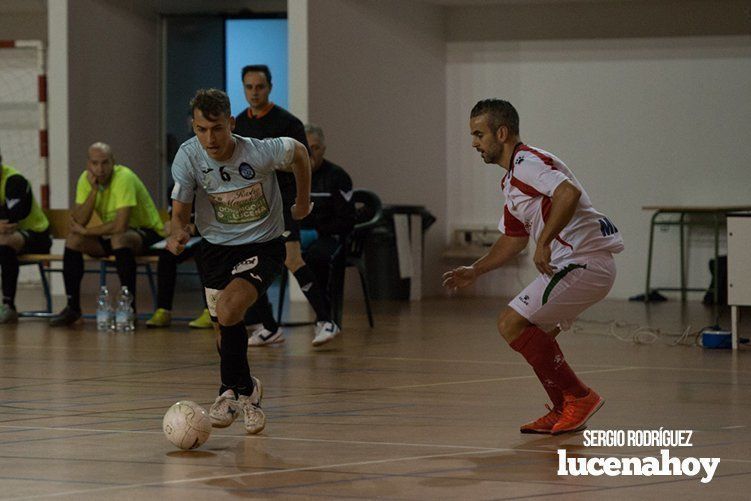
x=246, y=171
x=518, y=160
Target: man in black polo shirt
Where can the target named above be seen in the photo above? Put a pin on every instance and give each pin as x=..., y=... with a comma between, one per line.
x=263, y=119
x=325, y=230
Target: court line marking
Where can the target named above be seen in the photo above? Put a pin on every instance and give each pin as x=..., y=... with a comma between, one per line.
x=524, y=364
x=255, y=474
x=492, y=380
x=199, y=352
x=386, y=388
x=477, y=448
x=314, y=468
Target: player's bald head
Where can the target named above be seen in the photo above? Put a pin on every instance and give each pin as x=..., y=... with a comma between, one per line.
x=102, y=148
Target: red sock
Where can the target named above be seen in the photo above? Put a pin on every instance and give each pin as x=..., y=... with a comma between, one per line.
x=544, y=355
x=555, y=393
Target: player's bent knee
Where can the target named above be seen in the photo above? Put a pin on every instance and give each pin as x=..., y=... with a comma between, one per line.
x=511, y=324
x=229, y=312
x=234, y=302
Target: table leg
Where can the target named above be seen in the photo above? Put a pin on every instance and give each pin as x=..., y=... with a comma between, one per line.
x=716, y=270
x=649, y=255
x=734, y=326
x=683, y=256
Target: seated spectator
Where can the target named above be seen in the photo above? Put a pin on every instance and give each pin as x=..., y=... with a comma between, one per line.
x=130, y=225
x=24, y=229
x=325, y=230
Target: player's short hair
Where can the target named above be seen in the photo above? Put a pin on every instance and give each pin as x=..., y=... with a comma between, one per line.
x=499, y=113
x=259, y=68
x=213, y=103
x=316, y=131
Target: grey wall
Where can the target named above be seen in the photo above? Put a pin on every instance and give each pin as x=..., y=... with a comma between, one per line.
x=114, y=86
x=23, y=20
x=377, y=86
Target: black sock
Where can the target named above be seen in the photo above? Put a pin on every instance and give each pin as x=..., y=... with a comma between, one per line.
x=9, y=273
x=72, y=276
x=262, y=312
x=125, y=262
x=166, y=276
x=315, y=294
x=233, y=350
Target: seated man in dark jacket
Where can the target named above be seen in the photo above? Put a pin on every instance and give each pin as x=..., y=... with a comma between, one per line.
x=24, y=229
x=325, y=229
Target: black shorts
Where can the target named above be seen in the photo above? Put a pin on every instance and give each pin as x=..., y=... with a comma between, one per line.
x=148, y=238
x=289, y=192
x=35, y=242
x=258, y=263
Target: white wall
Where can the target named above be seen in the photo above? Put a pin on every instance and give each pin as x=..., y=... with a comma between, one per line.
x=655, y=121
x=297, y=16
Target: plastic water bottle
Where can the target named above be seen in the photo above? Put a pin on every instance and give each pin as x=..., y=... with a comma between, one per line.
x=124, y=315
x=103, y=310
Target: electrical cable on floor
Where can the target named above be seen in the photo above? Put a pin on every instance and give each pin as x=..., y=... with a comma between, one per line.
x=639, y=334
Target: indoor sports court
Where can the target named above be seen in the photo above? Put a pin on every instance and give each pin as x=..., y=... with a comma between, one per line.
x=447, y=349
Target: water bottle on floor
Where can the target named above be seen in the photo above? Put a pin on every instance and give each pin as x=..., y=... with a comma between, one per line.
x=124, y=315
x=103, y=310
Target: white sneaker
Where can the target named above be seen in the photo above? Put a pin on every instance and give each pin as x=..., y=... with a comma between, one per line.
x=224, y=410
x=262, y=336
x=325, y=332
x=255, y=419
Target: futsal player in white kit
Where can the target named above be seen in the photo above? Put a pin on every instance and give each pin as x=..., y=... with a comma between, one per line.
x=238, y=212
x=574, y=247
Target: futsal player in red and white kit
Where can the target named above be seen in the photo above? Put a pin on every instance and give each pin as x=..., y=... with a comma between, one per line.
x=574, y=247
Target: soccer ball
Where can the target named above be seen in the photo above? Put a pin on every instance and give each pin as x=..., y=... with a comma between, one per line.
x=186, y=425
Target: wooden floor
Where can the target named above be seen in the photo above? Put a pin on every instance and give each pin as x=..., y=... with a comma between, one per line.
x=426, y=405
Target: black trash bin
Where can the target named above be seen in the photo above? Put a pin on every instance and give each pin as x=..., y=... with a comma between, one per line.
x=381, y=257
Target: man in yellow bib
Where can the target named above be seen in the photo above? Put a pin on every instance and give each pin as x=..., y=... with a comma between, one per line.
x=24, y=229
x=130, y=225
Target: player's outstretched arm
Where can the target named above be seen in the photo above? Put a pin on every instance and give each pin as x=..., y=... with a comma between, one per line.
x=503, y=250
x=179, y=224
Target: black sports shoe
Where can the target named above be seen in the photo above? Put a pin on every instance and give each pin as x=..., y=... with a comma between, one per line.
x=68, y=316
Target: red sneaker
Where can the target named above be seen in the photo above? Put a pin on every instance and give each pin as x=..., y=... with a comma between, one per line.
x=576, y=412
x=544, y=424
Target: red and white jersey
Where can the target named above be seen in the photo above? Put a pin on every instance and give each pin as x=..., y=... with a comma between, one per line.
x=528, y=186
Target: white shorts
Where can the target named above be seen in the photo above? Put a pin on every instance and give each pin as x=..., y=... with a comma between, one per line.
x=550, y=302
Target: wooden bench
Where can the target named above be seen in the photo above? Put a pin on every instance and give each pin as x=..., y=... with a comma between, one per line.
x=59, y=229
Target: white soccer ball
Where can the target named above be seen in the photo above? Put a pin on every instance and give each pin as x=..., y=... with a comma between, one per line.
x=187, y=425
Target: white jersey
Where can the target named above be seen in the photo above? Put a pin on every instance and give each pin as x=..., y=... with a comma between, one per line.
x=236, y=201
x=528, y=186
